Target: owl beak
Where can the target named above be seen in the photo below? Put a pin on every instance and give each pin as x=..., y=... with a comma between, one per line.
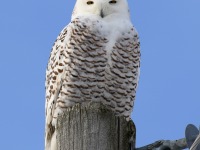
x=101, y=13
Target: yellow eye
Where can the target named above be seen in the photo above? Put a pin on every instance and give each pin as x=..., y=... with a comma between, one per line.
x=90, y=2
x=113, y=2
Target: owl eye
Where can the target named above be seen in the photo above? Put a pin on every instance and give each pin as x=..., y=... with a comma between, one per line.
x=113, y=2
x=90, y=2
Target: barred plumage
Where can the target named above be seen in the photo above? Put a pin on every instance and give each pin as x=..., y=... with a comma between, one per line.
x=93, y=59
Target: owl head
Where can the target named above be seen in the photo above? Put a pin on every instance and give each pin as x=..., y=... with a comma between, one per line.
x=101, y=8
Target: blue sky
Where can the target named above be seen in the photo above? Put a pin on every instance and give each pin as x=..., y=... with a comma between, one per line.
x=168, y=96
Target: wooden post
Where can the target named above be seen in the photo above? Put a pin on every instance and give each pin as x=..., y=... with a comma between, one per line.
x=94, y=127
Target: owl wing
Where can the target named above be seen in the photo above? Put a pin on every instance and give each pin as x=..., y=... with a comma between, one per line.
x=125, y=58
x=54, y=76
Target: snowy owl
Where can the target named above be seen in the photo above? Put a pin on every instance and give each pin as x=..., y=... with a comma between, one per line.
x=96, y=57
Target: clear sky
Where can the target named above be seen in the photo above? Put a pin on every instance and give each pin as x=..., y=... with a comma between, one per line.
x=168, y=96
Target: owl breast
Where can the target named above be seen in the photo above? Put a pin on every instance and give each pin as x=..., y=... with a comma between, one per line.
x=99, y=68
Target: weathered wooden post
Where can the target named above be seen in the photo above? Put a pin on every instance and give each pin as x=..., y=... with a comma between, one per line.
x=94, y=127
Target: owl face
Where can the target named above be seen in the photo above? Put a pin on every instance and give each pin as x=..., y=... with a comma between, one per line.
x=101, y=8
